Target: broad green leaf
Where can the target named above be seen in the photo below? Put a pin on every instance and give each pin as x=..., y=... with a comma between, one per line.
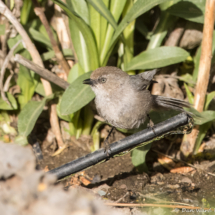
x=205, y=116
x=188, y=9
x=26, y=82
x=40, y=89
x=208, y=99
x=128, y=33
x=2, y=29
x=21, y=140
x=139, y=7
x=95, y=24
x=156, y=58
x=103, y=26
x=138, y=157
x=50, y=54
x=203, y=129
x=99, y=5
x=80, y=7
x=188, y=78
x=29, y=115
x=86, y=32
x=39, y=37
x=5, y=106
x=116, y=9
x=79, y=46
x=76, y=96
x=189, y=94
x=12, y=41
x=74, y=73
x=67, y=118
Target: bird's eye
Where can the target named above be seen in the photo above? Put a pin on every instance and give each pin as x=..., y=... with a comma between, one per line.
x=103, y=80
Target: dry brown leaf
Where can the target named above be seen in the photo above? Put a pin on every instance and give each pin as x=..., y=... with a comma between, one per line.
x=166, y=162
x=182, y=170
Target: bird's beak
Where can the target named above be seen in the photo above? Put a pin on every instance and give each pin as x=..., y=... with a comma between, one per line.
x=88, y=81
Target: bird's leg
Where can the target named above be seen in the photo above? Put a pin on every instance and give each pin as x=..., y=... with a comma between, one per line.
x=151, y=124
x=106, y=143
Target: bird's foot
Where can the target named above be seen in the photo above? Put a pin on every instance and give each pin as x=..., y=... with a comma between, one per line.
x=107, y=148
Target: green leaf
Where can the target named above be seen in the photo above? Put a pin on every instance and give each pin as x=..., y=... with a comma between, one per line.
x=189, y=94
x=80, y=7
x=2, y=29
x=86, y=32
x=29, y=115
x=12, y=41
x=40, y=89
x=203, y=129
x=116, y=9
x=26, y=82
x=39, y=37
x=26, y=11
x=95, y=24
x=139, y=7
x=208, y=99
x=138, y=157
x=79, y=46
x=102, y=9
x=76, y=96
x=188, y=78
x=204, y=117
x=50, y=54
x=156, y=58
x=5, y=106
x=96, y=136
x=188, y=9
x=74, y=73
x=103, y=26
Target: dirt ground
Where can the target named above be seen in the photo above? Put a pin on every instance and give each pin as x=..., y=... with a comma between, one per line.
x=119, y=181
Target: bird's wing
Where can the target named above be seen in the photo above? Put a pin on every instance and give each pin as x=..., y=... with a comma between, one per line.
x=148, y=75
x=142, y=80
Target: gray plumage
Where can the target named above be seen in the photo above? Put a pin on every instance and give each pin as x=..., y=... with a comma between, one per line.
x=124, y=101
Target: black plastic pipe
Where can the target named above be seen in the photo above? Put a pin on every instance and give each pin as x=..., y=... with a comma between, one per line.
x=120, y=146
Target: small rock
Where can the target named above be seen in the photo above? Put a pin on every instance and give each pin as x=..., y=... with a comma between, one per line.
x=186, y=180
x=173, y=186
x=123, y=186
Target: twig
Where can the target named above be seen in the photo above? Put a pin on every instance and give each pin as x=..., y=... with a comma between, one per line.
x=160, y=201
x=36, y=59
x=188, y=164
x=203, y=75
x=153, y=205
x=3, y=69
x=60, y=58
x=7, y=82
x=44, y=73
x=122, y=197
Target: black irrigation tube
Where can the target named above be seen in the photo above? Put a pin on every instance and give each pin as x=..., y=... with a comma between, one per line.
x=120, y=146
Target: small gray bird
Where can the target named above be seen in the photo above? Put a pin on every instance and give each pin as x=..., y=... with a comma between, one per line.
x=124, y=101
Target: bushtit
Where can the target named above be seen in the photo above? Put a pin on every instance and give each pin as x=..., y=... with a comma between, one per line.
x=124, y=101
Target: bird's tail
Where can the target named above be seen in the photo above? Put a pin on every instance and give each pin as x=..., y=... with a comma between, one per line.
x=170, y=103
